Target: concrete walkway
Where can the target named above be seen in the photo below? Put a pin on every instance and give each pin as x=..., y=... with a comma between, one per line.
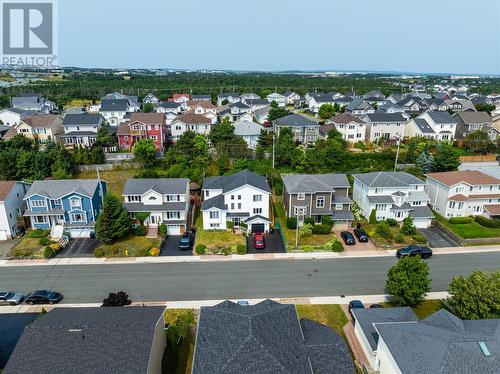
x=248, y=257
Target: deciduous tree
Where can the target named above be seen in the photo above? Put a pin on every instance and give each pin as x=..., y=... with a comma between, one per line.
x=408, y=281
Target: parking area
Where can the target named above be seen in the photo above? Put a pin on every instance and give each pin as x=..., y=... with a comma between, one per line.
x=439, y=237
x=358, y=247
x=83, y=247
x=171, y=247
x=6, y=246
x=273, y=241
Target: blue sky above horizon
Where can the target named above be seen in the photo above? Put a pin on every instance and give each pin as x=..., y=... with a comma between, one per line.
x=427, y=36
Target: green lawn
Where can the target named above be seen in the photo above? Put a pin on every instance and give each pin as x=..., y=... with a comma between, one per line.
x=330, y=315
x=424, y=309
x=130, y=246
x=27, y=247
x=213, y=239
x=472, y=230
x=116, y=178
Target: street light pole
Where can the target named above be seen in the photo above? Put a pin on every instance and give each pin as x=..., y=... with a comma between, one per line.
x=274, y=138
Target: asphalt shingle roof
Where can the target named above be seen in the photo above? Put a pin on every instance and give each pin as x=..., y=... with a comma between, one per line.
x=116, y=105
x=82, y=119
x=385, y=117
x=55, y=189
x=387, y=179
x=231, y=182
x=164, y=186
x=441, y=117
x=423, y=126
x=310, y=183
x=295, y=120
x=214, y=202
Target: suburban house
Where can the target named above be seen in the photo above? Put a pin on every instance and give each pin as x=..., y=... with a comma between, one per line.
x=384, y=125
x=395, y=195
x=92, y=340
x=464, y=193
x=292, y=98
x=133, y=104
x=11, y=207
x=267, y=337
x=468, y=122
x=114, y=110
x=249, y=131
x=241, y=198
x=201, y=98
x=256, y=104
x=33, y=102
x=304, y=130
x=389, y=107
x=12, y=116
x=438, y=344
x=317, y=100
x=236, y=112
x=72, y=205
x=168, y=107
x=436, y=104
x=359, y=107
x=40, y=128
x=230, y=97
x=142, y=126
x=165, y=199
x=81, y=129
x=190, y=122
x=180, y=98
x=205, y=108
x=374, y=94
x=436, y=125
x=318, y=195
x=412, y=104
x=277, y=98
x=150, y=99
x=460, y=105
x=262, y=115
x=250, y=97
x=352, y=129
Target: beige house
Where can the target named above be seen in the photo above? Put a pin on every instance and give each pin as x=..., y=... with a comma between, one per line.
x=41, y=128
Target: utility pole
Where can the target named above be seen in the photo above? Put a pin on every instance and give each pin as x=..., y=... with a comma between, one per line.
x=274, y=138
x=397, y=154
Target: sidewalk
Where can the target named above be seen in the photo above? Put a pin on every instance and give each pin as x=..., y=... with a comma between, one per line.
x=248, y=257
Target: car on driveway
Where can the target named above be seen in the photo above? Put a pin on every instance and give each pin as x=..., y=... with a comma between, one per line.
x=186, y=241
x=348, y=238
x=43, y=297
x=259, y=242
x=414, y=250
x=361, y=235
x=11, y=298
x=355, y=304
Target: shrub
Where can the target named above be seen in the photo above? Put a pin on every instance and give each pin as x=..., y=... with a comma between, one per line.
x=38, y=233
x=323, y=229
x=48, y=252
x=485, y=222
x=229, y=224
x=140, y=231
x=99, y=252
x=306, y=230
x=241, y=249
x=225, y=251
x=55, y=246
x=309, y=221
x=383, y=230
x=419, y=238
x=117, y=299
x=327, y=220
x=460, y=220
x=154, y=251
x=200, y=249
x=399, y=238
x=291, y=223
x=408, y=228
x=337, y=246
x=44, y=241
x=163, y=229
x=373, y=217
x=391, y=222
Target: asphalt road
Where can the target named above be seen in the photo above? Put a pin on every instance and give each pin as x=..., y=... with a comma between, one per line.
x=232, y=280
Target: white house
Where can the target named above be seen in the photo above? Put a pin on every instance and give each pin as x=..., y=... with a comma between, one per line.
x=353, y=129
x=11, y=116
x=165, y=199
x=436, y=125
x=237, y=112
x=11, y=207
x=359, y=107
x=249, y=131
x=316, y=101
x=205, y=108
x=150, y=99
x=231, y=98
x=190, y=121
x=395, y=195
x=278, y=98
x=168, y=107
x=384, y=125
x=81, y=129
x=114, y=110
x=464, y=193
x=291, y=98
x=242, y=198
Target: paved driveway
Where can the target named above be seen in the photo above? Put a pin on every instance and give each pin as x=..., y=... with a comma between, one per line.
x=6, y=246
x=83, y=247
x=171, y=247
x=358, y=247
x=439, y=237
x=274, y=244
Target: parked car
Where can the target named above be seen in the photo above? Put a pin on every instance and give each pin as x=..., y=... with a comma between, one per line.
x=361, y=235
x=355, y=304
x=11, y=298
x=414, y=250
x=259, y=242
x=348, y=237
x=186, y=241
x=43, y=297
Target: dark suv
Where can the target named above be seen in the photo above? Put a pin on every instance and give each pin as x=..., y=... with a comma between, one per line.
x=414, y=250
x=186, y=241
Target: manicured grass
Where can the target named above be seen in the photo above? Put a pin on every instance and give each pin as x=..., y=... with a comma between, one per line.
x=27, y=247
x=130, y=246
x=213, y=239
x=427, y=307
x=472, y=230
x=178, y=358
x=330, y=315
x=383, y=241
x=116, y=178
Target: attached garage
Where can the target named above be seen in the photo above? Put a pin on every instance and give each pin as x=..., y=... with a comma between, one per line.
x=173, y=229
x=79, y=233
x=258, y=224
x=258, y=227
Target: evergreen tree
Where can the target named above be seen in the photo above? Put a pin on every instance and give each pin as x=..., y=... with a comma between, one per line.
x=113, y=222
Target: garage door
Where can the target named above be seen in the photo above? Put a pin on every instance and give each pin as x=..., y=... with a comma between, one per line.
x=422, y=223
x=79, y=233
x=258, y=227
x=3, y=235
x=173, y=229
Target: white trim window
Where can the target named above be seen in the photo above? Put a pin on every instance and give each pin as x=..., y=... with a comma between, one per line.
x=134, y=199
x=214, y=214
x=78, y=217
x=257, y=210
x=40, y=219
x=175, y=215
x=257, y=198
x=339, y=206
x=320, y=201
x=301, y=196
x=38, y=203
x=75, y=202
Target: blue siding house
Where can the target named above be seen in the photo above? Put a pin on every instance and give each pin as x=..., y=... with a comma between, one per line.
x=73, y=204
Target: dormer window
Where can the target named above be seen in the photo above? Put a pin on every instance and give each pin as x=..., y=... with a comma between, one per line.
x=152, y=198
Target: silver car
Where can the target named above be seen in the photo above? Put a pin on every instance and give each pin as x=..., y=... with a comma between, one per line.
x=11, y=298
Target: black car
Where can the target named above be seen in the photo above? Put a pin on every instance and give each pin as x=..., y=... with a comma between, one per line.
x=186, y=241
x=348, y=238
x=361, y=235
x=414, y=250
x=43, y=297
x=355, y=304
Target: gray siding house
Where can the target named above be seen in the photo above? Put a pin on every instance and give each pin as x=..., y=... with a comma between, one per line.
x=304, y=130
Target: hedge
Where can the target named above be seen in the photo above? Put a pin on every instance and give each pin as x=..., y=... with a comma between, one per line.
x=486, y=222
x=241, y=249
x=140, y=231
x=460, y=220
x=200, y=249
x=48, y=252
x=391, y=222
x=291, y=223
x=323, y=229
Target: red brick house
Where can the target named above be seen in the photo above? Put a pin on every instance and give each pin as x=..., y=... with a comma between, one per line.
x=142, y=126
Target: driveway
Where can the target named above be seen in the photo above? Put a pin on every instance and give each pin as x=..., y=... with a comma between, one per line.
x=439, y=237
x=83, y=247
x=171, y=247
x=6, y=246
x=358, y=247
x=274, y=244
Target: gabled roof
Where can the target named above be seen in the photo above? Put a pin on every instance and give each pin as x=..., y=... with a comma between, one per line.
x=169, y=104
x=475, y=117
x=239, y=179
x=201, y=97
x=472, y=177
x=55, y=189
x=247, y=128
x=440, y=117
x=47, y=120
x=423, y=126
x=203, y=103
x=385, y=117
x=228, y=95
x=82, y=119
x=5, y=188
x=87, y=340
x=295, y=120
x=214, y=202
x=387, y=179
x=310, y=183
x=148, y=118
x=374, y=93
x=358, y=103
x=164, y=186
x=114, y=105
x=239, y=105
x=193, y=118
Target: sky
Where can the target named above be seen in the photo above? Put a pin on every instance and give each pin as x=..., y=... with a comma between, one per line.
x=426, y=36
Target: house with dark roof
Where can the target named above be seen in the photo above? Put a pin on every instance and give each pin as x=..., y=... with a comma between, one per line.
x=80, y=130
x=439, y=125
x=266, y=338
x=12, y=208
x=150, y=99
x=12, y=326
x=238, y=111
x=114, y=110
x=92, y=340
x=165, y=199
x=384, y=125
x=201, y=98
x=231, y=98
x=316, y=196
x=395, y=195
x=32, y=102
x=304, y=129
x=468, y=122
x=241, y=198
x=139, y=126
x=359, y=107
x=168, y=107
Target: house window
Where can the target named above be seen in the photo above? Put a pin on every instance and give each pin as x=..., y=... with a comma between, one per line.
x=380, y=207
x=75, y=203
x=207, y=193
x=152, y=198
x=338, y=206
x=77, y=217
x=300, y=210
x=232, y=206
x=379, y=190
x=232, y=197
x=301, y=196
x=239, y=197
x=257, y=211
x=214, y=215
x=38, y=203
x=134, y=198
x=40, y=219
x=257, y=198
x=239, y=205
x=214, y=225
x=320, y=202
x=57, y=202
x=177, y=215
x=153, y=138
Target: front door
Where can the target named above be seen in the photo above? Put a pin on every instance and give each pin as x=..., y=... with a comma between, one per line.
x=153, y=220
